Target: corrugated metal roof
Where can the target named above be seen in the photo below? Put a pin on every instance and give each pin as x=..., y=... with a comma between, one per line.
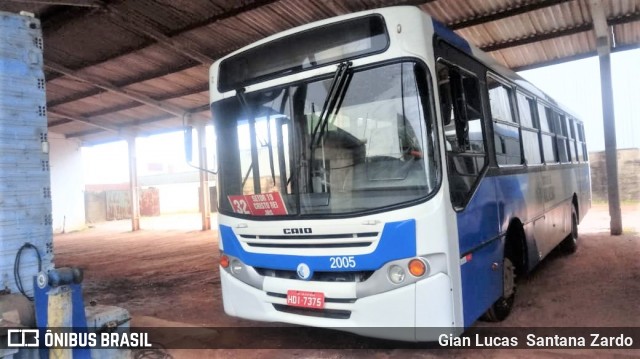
x=162, y=48
x=553, y=18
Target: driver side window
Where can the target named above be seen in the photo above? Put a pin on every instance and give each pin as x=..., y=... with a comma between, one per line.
x=461, y=107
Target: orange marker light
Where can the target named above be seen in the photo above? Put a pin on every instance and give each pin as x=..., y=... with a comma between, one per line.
x=224, y=261
x=417, y=267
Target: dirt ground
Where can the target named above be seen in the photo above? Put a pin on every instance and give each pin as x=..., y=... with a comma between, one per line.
x=169, y=277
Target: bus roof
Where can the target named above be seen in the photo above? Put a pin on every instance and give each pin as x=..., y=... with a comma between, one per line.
x=438, y=28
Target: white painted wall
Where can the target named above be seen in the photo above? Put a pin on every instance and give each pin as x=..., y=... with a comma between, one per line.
x=178, y=197
x=67, y=183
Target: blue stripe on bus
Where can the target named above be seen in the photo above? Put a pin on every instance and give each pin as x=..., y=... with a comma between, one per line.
x=398, y=241
x=480, y=228
x=516, y=200
x=481, y=286
x=454, y=39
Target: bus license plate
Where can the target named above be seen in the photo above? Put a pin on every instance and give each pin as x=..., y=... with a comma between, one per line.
x=304, y=299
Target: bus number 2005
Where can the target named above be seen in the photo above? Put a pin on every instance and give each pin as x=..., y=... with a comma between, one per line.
x=343, y=262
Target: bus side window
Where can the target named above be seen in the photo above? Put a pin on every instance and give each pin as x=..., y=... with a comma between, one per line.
x=545, y=119
x=461, y=109
x=505, y=127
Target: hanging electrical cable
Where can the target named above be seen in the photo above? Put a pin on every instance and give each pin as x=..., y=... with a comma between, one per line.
x=16, y=267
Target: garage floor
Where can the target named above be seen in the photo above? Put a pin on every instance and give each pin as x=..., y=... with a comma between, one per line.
x=169, y=277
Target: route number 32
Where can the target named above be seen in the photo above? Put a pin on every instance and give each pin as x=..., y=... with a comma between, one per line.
x=240, y=206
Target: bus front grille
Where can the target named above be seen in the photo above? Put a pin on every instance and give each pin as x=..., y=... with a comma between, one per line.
x=309, y=245
x=341, y=240
x=322, y=313
x=347, y=276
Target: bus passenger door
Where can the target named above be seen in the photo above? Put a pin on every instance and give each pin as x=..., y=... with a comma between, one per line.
x=473, y=196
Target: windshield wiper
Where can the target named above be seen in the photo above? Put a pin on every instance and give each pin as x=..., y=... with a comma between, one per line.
x=336, y=92
x=331, y=104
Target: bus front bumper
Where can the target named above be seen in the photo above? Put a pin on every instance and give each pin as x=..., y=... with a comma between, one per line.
x=394, y=314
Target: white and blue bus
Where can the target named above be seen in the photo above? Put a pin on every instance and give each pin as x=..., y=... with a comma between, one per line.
x=376, y=171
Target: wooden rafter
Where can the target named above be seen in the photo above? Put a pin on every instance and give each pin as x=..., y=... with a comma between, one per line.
x=138, y=24
x=556, y=33
x=537, y=37
x=60, y=122
x=235, y=11
x=78, y=3
x=194, y=57
x=126, y=126
x=105, y=85
x=84, y=120
x=128, y=106
x=581, y=56
x=147, y=76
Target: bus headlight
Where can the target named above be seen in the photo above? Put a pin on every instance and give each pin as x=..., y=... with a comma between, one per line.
x=396, y=274
x=236, y=266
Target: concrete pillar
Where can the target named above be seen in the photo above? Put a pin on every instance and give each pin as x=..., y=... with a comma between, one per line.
x=603, y=35
x=610, y=144
x=205, y=198
x=133, y=185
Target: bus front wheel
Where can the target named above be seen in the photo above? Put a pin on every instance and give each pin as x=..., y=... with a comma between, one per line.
x=500, y=310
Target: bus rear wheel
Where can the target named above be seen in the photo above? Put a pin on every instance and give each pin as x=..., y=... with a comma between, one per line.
x=500, y=310
x=570, y=244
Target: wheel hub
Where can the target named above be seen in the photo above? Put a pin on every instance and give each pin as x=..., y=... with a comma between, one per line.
x=509, y=278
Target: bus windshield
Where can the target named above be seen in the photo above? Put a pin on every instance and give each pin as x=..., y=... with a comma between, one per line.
x=285, y=151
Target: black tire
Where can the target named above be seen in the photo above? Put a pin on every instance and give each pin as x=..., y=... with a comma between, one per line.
x=569, y=245
x=501, y=309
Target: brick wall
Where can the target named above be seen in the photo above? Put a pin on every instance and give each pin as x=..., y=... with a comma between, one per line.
x=628, y=175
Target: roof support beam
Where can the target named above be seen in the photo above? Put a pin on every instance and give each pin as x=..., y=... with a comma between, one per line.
x=600, y=27
x=147, y=76
x=125, y=128
x=84, y=120
x=151, y=33
x=205, y=22
x=623, y=19
x=165, y=71
x=603, y=44
x=58, y=122
x=557, y=33
x=104, y=138
x=105, y=85
x=139, y=24
x=128, y=106
x=536, y=38
x=581, y=56
x=154, y=34
x=78, y=3
x=233, y=12
x=58, y=17
x=505, y=13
